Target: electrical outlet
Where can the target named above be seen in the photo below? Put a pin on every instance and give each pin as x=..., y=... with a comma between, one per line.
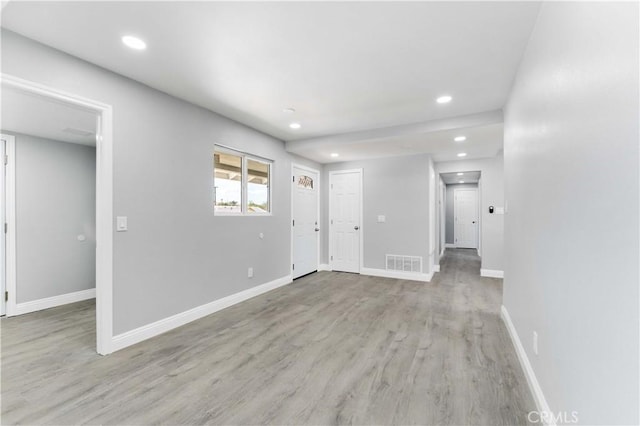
x=250, y=273
x=535, y=342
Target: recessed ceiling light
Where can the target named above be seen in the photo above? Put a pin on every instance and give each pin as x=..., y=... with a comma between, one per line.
x=460, y=181
x=134, y=42
x=335, y=154
x=289, y=110
x=460, y=174
x=460, y=138
x=462, y=154
x=444, y=99
x=295, y=125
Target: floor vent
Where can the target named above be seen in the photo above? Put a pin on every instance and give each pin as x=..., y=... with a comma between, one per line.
x=404, y=263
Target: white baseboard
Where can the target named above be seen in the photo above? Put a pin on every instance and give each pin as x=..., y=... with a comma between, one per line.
x=534, y=385
x=162, y=326
x=52, y=302
x=413, y=276
x=436, y=268
x=449, y=245
x=492, y=273
x=323, y=267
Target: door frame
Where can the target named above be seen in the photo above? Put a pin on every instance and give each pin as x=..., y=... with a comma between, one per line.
x=104, y=206
x=455, y=215
x=362, y=227
x=293, y=188
x=442, y=196
x=8, y=152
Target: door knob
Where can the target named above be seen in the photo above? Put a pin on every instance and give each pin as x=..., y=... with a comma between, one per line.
x=473, y=221
x=317, y=229
x=356, y=227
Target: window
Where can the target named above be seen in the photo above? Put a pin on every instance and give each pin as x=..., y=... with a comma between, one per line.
x=242, y=183
x=258, y=186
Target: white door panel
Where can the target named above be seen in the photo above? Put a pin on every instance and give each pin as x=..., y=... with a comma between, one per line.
x=305, y=222
x=466, y=217
x=345, y=223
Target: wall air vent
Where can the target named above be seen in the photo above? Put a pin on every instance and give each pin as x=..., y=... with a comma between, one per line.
x=404, y=263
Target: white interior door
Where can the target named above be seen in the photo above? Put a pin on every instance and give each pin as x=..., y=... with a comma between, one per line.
x=465, y=210
x=305, y=221
x=345, y=220
x=3, y=257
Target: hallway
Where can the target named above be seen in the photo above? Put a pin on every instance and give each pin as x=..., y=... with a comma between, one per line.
x=331, y=348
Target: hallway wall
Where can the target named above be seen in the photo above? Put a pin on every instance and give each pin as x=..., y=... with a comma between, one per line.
x=571, y=172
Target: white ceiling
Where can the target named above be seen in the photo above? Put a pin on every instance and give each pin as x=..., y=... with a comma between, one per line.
x=33, y=115
x=483, y=140
x=467, y=177
x=345, y=67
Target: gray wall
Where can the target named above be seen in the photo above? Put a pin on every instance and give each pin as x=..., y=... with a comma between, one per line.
x=571, y=167
x=176, y=254
x=55, y=203
x=449, y=220
x=396, y=187
x=491, y=194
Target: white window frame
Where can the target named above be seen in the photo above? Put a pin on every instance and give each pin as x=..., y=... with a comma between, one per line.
x=244, y=187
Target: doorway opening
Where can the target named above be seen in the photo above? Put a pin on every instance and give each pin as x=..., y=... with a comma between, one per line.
x=57, y=202
x=460, y=210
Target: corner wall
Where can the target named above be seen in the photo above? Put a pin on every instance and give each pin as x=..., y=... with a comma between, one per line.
x=163, y=168
x=572, y=174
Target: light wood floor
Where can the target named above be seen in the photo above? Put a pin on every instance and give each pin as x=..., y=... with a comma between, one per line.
x=332, y=348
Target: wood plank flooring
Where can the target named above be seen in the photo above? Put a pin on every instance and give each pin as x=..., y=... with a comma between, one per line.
x=331, y=348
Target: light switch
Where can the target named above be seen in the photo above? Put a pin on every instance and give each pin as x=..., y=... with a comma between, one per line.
x=382, y=218
x=121, y=223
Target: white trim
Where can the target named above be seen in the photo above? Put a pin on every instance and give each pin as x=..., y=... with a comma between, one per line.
x=52, y=302
x=104, y=203
x=293, y=188
x=480, y=211
x=324, y=267
x=361, y=226
x=402, y=275
x=162, y=326
x=491, y=273
x=449, y=245
x=432, y=216
x=534, y=385
x=436, y=268
x=10, y=219
x=3, y=210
